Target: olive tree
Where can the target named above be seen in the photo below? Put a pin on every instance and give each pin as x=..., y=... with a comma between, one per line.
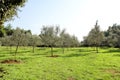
x=74, y=41
x=7, y=42
x=34, y=41
x=95, y=36
x=113, y=36
x=49, y=36
x=18, y=37
x=66, y=40
x=62, y=39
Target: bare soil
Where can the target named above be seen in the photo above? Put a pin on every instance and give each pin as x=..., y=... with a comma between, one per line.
x=70, y=78
x=10, y=61
x=112, y=71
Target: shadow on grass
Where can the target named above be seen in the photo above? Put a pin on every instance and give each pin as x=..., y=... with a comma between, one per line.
x=118, y=55
x=83, y=50
x=112, y=51
x=39, y=54
x=2, y=73
x=25, y=51
x=13, y=52
x=25, y=58
x=41, y=48
x=117, y=50
x=2, y=55
x=76, y=55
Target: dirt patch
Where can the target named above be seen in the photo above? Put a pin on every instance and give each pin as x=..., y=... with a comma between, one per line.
x=70, y=78
x=11, y=61
x=112, y=71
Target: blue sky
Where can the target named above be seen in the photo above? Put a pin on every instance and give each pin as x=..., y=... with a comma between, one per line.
x=76, y=16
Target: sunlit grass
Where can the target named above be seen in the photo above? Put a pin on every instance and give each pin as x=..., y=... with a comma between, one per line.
x=74, y=64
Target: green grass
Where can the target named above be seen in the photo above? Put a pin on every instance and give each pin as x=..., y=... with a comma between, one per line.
x=74, y=64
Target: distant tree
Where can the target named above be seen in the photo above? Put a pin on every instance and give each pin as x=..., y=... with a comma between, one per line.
x=9, y=8
x=26, y=38
x=66, y=40
x=85, y=42
x=113, y=36
x=34, y=41
x=95, y=36
x=62, y=39
x=18, y=37
x=74, y=41
x=8, y=30
x=49, y=36
x=6, y=40
x=2, y=31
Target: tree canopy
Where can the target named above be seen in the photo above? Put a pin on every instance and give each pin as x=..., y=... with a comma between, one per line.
x=95, y=36
x=9, y=8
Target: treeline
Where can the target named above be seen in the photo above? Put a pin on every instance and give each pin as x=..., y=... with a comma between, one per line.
x=50, y=36
x=108, y=38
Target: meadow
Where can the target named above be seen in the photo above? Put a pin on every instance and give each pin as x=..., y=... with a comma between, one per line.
x=75, y=64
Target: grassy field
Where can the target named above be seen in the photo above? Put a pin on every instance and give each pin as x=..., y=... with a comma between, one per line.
x=74, y=64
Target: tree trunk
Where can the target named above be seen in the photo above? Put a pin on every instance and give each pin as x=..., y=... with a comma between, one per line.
x=24, y=47
x=51, y=51
x=33, y=48
x=63, y=50
x=94, y=48
x=97, y=48
x=67, y=48
x=10, y=49
x=16, y=49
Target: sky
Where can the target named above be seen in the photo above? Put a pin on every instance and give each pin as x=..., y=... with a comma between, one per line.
x=78, y=17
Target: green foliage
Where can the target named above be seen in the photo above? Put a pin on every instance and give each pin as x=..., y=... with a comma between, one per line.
x=109, y=38
x=49, y=36
x=9, y=8
x=95, y=37
x=8, y=30
x=113, y=36
x=66, y=40
x=34, y=41
x=53, y=36
x=2, y=31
